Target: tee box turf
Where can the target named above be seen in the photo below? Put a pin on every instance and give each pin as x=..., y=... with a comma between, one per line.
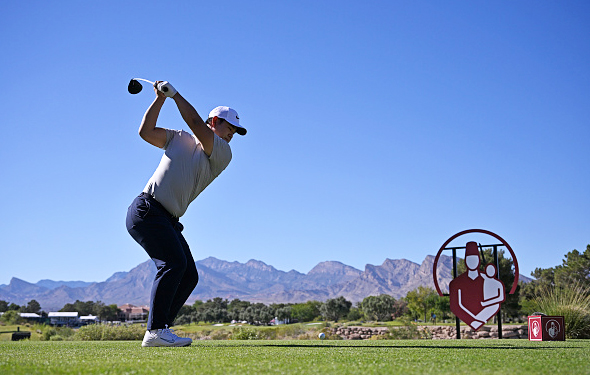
x=546, y=328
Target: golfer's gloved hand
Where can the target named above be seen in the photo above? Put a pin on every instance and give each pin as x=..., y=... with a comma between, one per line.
x=167, y=89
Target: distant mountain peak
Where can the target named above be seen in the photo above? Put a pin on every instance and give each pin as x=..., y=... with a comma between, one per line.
x=332, y=266
x=260, y=265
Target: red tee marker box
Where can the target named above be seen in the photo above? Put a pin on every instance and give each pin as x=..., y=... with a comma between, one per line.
x=546, y=328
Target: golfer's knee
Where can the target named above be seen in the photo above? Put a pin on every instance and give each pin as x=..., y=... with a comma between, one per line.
x=177, y=267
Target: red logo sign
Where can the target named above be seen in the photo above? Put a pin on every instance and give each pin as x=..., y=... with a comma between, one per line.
x=546, y=328
x=476, y=296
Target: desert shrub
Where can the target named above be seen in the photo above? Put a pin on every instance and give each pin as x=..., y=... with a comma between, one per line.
x=199, y=335
x=267, y=334
x=206, y=332
x=243, y=333
x=11, y=317
x=220, y=334
x=49, y=333
x=104, y=332
x=408, y=331
x=572, y=303
x=291, y=331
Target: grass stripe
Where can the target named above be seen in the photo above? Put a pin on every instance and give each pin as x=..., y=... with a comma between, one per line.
x=299, y=357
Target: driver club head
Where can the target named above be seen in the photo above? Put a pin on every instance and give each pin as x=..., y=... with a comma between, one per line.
x=134, y=87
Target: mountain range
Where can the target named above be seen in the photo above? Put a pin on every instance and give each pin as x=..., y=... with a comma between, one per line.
x=253, y=281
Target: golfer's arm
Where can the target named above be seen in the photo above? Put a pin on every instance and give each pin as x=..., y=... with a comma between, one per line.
x=148, y=130
x=203, y=133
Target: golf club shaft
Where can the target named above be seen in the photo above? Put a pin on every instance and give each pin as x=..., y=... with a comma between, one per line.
x=145, y=80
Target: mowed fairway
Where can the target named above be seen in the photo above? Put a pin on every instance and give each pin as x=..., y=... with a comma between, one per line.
x=298, y=357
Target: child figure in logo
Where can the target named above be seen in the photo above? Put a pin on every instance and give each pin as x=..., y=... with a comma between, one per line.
x=493, y=289
x=493, y=294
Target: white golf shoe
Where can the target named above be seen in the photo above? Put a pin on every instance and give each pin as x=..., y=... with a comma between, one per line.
x=164, y=337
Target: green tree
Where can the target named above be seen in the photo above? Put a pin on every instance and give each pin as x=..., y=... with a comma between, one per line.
x=3, y=306
x=355, y=313
x=421, y=301
x=32, y=307
x=214, y=310
x=235, y=308
x=265, y=314
x=186, y=315
x=108, y=313
x=283, y=313
x=380, y=308
x=400, y=308
x=335, y=308
x=442, y=307
x=258, y=313
x=575, y=268
x=186, y=310
x=13, y=307
x=83, y=308
x=306, y=312
x=217, y=302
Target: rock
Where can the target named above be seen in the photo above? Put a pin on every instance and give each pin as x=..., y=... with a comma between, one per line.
x=510, y=335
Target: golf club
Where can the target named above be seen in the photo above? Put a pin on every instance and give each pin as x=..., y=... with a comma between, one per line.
x=135, y=87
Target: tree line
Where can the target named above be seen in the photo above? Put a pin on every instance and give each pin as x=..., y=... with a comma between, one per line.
x=219, y=310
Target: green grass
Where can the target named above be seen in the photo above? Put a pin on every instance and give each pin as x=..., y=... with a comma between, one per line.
x=298, y=357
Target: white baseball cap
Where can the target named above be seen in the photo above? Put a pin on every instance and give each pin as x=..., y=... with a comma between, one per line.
x=230, y=115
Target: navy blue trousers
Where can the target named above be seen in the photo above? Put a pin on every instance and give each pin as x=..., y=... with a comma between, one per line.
x=160, y=234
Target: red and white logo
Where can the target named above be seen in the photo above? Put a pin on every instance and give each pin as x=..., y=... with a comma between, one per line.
x=536, y=328
x=476, y=296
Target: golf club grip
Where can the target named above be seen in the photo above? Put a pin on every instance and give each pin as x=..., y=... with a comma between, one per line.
x=166, y=88
x=163, y=86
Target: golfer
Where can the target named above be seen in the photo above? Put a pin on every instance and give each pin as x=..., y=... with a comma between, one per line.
x=189, y=164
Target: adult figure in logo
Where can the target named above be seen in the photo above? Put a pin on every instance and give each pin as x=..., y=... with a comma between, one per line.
x=189, y=164
x=475, y=297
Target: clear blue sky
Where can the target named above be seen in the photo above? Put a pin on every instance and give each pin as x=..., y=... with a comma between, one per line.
x=376, y=129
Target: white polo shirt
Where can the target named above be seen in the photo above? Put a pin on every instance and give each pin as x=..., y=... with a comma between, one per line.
x=185, y=170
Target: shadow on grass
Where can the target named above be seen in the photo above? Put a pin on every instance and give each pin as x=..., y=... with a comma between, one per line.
x=360, y=345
